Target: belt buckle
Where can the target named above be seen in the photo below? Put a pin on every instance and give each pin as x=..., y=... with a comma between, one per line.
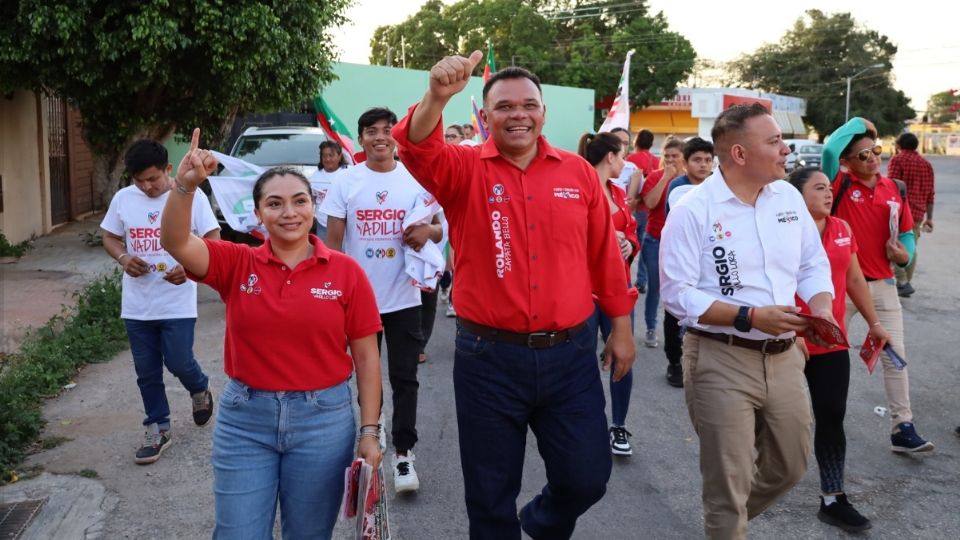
x=763, y=349
x=532, y=335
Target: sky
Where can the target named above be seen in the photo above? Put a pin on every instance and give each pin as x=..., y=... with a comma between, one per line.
x=928, y=60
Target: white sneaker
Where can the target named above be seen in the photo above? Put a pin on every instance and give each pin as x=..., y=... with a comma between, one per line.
x=651, y=339
x=445, y=295
x=404, y=475
x=450, y=311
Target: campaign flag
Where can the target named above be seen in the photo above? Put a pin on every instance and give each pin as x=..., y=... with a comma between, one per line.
x=491, y=66
x=619, y=114
x=475, y=119
x=334, y=127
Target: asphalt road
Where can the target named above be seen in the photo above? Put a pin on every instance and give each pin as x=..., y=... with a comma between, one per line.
x=653, y=494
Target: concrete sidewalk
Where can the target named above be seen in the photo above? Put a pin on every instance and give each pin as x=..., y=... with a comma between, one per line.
x=43, y=281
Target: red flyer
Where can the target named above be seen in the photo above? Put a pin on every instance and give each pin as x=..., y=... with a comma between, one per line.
x=870, y=352
x=826, y=330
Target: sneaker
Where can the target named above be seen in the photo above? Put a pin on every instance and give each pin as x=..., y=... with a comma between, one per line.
x=675, y=375
x=905, y=289
x=641, y=288
x=444, y=295
x=651, y=339
x=404, y=475
x=450, y=311
x=842, y=514
x=202, y=407
x=620, y=441
x=154, y=443
x=906, y=440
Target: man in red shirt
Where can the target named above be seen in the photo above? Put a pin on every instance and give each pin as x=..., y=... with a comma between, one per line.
x=917, y=173
x=534, y=243
x=870, y=202
x=647, y=163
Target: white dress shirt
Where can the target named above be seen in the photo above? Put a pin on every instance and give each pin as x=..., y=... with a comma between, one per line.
x=716, y=247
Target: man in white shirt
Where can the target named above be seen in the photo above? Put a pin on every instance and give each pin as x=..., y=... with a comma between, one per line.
x=365, y=208
x=736, y=250
x=158, y=302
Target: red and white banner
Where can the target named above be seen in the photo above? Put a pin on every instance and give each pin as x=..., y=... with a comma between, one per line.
x=619, y=114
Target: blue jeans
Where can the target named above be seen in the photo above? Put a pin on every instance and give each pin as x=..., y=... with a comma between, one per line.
x=650, y=253
x=154, y=344
x=641, y=217
x=500, y=390
x=291, y=446
x=619, y=391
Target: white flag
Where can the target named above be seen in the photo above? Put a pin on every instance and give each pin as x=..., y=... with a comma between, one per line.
x=619, y=114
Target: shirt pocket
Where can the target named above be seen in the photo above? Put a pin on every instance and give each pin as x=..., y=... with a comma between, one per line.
x=568, y=221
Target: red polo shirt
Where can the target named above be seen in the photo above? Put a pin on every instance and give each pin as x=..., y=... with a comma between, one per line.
x=658, y=214
x=623, y=221
x=531, y=245
x=645, y=161
x=288, y=329
x=840, y=247
x=867, y=212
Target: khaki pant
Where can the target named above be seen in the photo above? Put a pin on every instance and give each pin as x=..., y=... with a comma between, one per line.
x=896, y=383
x=905, y=275
x=752, y=414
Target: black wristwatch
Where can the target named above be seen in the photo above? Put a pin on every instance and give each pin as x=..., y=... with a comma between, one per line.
x=742, y=322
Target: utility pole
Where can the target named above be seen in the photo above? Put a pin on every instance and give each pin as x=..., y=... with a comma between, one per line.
x=389, y=56
x=854, y=76
x=403, y=52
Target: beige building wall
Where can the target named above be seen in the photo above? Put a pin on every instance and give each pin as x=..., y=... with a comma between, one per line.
x=24, y=167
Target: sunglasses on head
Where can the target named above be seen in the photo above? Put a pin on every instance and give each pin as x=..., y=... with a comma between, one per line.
x=864, y=154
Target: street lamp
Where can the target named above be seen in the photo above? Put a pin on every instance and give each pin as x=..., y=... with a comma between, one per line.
x=854, y=76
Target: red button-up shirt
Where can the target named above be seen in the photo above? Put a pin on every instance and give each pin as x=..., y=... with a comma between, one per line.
x=288, y=328
x=917, y=173
x=530, y=245
x=867, y=212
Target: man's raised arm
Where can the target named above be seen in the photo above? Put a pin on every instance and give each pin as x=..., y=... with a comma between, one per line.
x=447, y=77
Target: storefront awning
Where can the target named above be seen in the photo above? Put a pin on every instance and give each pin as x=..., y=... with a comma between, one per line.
x=790, y=123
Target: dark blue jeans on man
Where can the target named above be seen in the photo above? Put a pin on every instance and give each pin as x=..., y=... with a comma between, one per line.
x=641, y=217
x=500, y=390
x=159, y=343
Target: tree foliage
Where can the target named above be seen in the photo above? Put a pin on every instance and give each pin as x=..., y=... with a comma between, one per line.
x=943, y=107
x=565, y=42
x=155, y=66
x=813, y=60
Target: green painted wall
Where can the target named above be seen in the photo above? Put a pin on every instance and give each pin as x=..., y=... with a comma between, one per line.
x=569, y=110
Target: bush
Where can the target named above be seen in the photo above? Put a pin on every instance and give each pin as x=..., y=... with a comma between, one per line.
x=90, y=331
x=13, y=250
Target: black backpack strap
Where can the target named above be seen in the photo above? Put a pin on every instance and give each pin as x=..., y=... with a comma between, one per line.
x=844, y=186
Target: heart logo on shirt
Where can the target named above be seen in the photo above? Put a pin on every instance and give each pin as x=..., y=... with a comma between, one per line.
x=152, y=217
x=326, y=284
x=381, y=197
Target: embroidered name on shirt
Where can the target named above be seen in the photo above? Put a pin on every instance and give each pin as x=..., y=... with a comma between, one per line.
x=789, y=216
x=566, y=193
x=501, y=238
x=843, y=241
x=727, y=271
x=326, y=293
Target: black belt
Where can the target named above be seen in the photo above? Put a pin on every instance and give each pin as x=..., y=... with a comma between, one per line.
x=869, y=278
x=533, y=340
x=765, y=346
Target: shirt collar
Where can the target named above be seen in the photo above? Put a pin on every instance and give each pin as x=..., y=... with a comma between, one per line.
x=321, y=252
x=544, y=149
x=720, y=191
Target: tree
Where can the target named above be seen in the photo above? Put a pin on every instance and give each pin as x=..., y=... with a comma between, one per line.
x=943, y=107
x=813, y=60
x=150, y=68
x=565, y=42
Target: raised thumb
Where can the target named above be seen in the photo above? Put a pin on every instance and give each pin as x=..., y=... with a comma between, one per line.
x=475, y=58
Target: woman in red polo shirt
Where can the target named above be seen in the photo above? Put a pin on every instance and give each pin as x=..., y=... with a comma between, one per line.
x=604, y=152
x=285, y=430
x=828, y=370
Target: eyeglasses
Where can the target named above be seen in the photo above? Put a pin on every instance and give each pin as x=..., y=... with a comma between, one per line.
x=864, y=154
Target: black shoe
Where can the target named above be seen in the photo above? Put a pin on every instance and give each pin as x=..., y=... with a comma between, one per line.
x=842, y=514
x=675, y=375
x=154, y=443
x=202, y=407
x=620, y=441
x=641, y=289
x=905, y=289
x=906, y=440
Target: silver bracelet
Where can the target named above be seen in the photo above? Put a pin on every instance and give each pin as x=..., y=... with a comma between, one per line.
x=182, y=189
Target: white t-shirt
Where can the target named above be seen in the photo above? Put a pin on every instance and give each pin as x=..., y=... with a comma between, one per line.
x=320, y=182
x=374, y=205
x=136, y=218
x=624, y=180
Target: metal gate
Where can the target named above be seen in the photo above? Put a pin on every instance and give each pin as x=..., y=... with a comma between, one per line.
x=59, y=160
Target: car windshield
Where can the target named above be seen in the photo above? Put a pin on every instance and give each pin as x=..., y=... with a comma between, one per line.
x=280, y=149
x=811, y=149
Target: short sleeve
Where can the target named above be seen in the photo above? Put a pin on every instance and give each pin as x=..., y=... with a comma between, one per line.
x=651, y=182
x=225, y=259
x=335, y=201
x=111, y=220
x=362, y=318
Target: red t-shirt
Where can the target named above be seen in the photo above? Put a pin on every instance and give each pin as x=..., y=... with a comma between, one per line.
x=624, y=221
x=868, y=214
x=658, y=214
x=531, y=245
x=840, y=246
x=288, y=330
x=645, y=161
